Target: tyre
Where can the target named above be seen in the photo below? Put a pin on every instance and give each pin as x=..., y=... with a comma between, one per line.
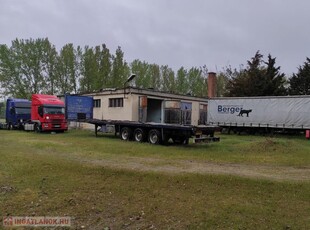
x=37, y=128
x=154, y=137
x=10, y=127
x=126, y=134
x=139, y=135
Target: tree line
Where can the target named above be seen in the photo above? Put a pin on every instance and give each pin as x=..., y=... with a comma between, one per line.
x=36, y=66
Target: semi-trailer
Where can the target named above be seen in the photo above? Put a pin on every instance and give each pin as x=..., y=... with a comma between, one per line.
x=156, y=133
x=260, y=114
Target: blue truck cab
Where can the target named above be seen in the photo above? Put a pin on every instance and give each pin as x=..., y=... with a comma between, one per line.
x=18, y=112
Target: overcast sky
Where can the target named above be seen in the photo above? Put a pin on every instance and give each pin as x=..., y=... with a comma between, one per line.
x=177, y=33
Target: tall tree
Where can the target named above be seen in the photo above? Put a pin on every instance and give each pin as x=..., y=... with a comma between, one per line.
x=257, y=79
x=23, y=67
x=154, y=71
x=204, y=74
x=79, y=68
x=120, y=69
x=168, y=79
x=221, y=84
x=9, y=74
x=50, y=68
x=182, y=83
x=89, y=70
x=105, y=67
x=95, y=68
x=196, y=80
x=67, y=70
x=2, y=110
x=274, y=80
x=141, y=69
x=237, y=82
x=255, y=76
x=300, y=82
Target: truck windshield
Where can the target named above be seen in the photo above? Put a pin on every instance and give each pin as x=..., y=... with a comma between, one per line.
x=22, y=110
x=54, y=110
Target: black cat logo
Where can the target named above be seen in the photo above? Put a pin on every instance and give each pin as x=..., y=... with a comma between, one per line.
x=245, y=111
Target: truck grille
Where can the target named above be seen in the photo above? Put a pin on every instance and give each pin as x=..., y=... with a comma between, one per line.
x=56, y=121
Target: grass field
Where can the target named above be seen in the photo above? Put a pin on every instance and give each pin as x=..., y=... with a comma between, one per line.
x=242, y=182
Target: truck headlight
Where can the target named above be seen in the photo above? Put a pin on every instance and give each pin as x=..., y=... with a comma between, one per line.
x=47, y=117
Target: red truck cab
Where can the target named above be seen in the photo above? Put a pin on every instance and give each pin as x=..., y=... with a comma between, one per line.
x=48, y=113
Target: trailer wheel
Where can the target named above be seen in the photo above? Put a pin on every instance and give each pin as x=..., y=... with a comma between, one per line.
x=37, y=128
x=10, y=127
x=126, y=134
x=154, y=137
x=139, y=135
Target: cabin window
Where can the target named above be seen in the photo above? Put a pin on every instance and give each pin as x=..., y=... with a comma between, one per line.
x=97, y=103
x=116, y=102
x=186, y=113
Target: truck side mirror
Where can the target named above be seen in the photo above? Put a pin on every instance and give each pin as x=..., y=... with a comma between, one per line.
x=40, y=111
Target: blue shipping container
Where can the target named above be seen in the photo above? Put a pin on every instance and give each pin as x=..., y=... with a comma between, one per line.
x=78, y=107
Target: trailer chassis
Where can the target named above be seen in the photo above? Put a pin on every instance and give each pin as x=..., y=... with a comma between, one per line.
x=157, y=133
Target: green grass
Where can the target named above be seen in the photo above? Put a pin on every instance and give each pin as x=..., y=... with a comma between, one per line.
x=281, y=150
x=39, y=176
x=286, y=151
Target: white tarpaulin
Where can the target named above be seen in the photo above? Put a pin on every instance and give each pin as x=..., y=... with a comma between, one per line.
x=276, y=112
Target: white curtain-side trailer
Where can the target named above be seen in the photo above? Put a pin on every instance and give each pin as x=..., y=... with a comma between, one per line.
x=260, y=113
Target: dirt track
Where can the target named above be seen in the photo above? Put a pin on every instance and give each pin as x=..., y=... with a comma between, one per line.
x=279, y=173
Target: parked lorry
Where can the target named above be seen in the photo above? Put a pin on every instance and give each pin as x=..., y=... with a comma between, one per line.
x=18, y=113
x=47, y=114
x=42, y=113
x=260, y=114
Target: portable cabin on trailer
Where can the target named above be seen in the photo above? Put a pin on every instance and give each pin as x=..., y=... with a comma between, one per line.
x=148, y=105
x=150, y=115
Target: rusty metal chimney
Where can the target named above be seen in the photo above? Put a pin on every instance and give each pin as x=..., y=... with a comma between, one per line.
x=211, y=84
